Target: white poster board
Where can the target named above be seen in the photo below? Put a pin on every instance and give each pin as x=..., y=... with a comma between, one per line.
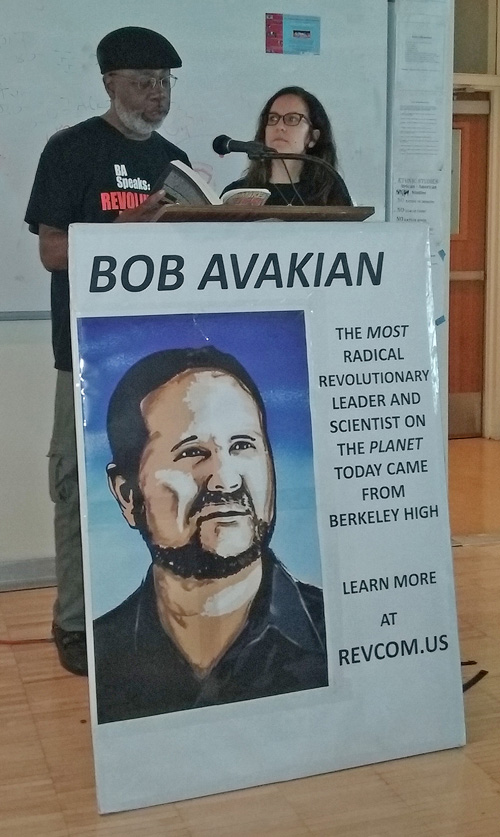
x=335, y=325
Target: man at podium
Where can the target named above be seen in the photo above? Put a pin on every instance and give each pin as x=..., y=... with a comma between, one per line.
x=97, y=171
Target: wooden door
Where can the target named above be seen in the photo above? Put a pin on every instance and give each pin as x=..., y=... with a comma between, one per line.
x=467, y=274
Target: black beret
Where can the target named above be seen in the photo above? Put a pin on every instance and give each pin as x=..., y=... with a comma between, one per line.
x=135, y=48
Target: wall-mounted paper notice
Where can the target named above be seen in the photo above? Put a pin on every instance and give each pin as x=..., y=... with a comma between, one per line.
x=418, y=131
x=292, y=34
x=416, y=198
x=422, y=51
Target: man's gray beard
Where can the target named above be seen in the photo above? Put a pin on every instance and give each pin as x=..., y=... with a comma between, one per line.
x=134, y=122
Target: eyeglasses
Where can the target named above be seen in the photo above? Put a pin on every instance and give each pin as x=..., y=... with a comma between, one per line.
x=290, y=119
x=149, y=83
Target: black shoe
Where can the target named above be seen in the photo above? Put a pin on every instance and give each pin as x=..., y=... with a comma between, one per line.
x=72, y=649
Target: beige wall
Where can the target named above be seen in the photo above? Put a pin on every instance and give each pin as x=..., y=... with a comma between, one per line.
x=27, y=381
x=471, y=36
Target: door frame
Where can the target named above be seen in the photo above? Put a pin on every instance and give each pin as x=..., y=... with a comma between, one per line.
x=491, y=387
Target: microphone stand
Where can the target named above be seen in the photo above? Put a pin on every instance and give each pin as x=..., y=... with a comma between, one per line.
x=266, y=154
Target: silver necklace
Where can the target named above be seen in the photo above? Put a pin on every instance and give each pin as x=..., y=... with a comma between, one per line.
x=296, y=194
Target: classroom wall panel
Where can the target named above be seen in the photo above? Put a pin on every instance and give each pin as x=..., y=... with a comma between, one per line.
x=50, y=79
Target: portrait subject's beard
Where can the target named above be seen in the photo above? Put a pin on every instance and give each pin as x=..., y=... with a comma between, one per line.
x=192, y=560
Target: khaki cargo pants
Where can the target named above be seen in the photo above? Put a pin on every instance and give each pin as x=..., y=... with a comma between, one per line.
x=69, y=612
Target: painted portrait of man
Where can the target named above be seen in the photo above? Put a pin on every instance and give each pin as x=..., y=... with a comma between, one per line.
x=218, y=617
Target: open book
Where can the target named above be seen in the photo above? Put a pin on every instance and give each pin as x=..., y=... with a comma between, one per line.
x=184, y=186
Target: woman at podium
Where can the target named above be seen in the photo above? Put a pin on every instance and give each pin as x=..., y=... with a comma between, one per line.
x=294, y=121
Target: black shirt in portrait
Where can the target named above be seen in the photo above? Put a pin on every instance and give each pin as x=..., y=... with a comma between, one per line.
x=281, y=649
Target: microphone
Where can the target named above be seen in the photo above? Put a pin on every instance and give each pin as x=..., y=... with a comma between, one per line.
x=225, y=145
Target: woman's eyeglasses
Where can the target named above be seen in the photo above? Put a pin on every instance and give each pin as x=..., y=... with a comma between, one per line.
x=291, y=119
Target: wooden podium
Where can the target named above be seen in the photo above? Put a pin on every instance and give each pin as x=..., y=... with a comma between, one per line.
x=176, y=212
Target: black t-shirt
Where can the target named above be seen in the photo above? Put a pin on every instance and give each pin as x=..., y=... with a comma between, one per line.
x=88, y=174
x=298, y=194
x=140, y=671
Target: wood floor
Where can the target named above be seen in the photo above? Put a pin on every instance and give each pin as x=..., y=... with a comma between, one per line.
x=46, y=772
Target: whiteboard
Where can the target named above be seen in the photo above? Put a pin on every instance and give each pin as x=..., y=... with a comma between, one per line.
x=50, y=79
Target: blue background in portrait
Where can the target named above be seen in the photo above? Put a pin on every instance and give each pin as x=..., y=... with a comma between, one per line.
x=272, y=347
